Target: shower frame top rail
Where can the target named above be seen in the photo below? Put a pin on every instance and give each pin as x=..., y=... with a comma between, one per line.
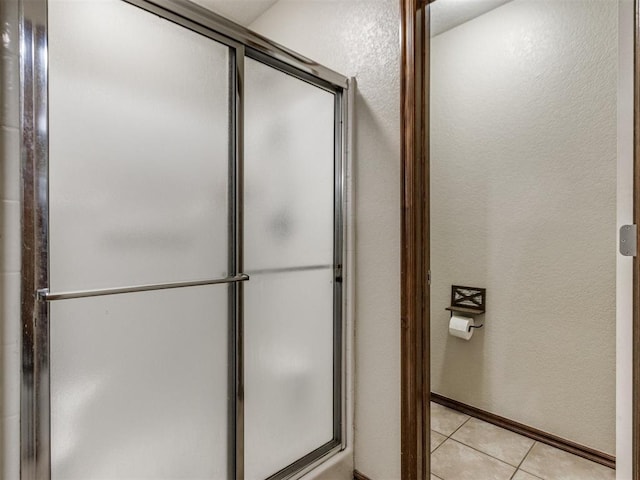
x=229, y=32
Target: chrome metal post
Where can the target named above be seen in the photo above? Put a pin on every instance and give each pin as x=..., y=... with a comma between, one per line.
x=238, y=326
x=338, y=261
x=34, y=395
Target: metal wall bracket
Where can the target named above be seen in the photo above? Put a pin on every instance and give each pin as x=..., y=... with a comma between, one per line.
x=628, y=242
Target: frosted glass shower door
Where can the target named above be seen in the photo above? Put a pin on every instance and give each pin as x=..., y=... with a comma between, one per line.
x=139, y=176
x=289, y=253
x=139, y=148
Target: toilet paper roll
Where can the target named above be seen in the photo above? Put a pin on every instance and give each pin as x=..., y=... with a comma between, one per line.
x=459, y=327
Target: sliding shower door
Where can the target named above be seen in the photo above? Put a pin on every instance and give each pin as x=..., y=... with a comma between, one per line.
x=138, y=196
x=182, y=308
x=289, y=252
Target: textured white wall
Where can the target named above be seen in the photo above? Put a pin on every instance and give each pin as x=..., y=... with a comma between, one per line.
x=9, y=243
x=523, y=171
x=360, y=38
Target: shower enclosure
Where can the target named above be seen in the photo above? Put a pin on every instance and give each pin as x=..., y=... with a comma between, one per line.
x=183, y=247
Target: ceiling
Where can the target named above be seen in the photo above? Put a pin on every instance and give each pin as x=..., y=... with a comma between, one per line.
x=447, y=14
x=243, y=12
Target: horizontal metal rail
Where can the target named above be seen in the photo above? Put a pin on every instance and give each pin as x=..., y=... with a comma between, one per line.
x=289, y=269
x=48, y=296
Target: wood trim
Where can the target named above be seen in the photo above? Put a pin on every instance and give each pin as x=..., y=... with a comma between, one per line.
x=359, y=476
x=527, y=431
x=415, y=418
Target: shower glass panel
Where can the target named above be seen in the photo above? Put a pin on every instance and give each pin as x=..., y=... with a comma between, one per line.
x=289, y=368
x=117, y=413
x=289, y=253
x=139, y=156
x=138, y=195
x=289, y=171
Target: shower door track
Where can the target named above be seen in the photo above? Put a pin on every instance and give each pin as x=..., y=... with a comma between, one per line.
x=35, y=435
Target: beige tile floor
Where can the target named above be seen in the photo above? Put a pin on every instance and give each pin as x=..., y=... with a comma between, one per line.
x=465, y=448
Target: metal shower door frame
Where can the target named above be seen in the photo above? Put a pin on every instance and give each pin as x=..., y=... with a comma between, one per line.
x=35, y=443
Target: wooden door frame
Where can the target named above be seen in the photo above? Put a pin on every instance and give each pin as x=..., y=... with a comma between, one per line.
x=415, y=261
x=415, y=379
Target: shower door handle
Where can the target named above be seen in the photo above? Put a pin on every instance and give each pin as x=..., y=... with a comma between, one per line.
x=47, y=296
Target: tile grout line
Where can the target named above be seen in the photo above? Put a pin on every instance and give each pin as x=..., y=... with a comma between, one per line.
x=488, y=454
x=527, y=454
x=522, y=461
x=461, y=425
x=447, y=437
x=483, y=453
x=588, y=460
x=480, y=451
x=535, y=477
x=580, y=459
x=431, y=453
x=457, y=428
x=517, y=468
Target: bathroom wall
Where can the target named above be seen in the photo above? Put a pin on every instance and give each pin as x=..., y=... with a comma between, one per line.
x=360, y=38
x=9, y=243
x=523, y=164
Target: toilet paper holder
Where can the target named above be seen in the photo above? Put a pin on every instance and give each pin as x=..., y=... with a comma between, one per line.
x=470, y=301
